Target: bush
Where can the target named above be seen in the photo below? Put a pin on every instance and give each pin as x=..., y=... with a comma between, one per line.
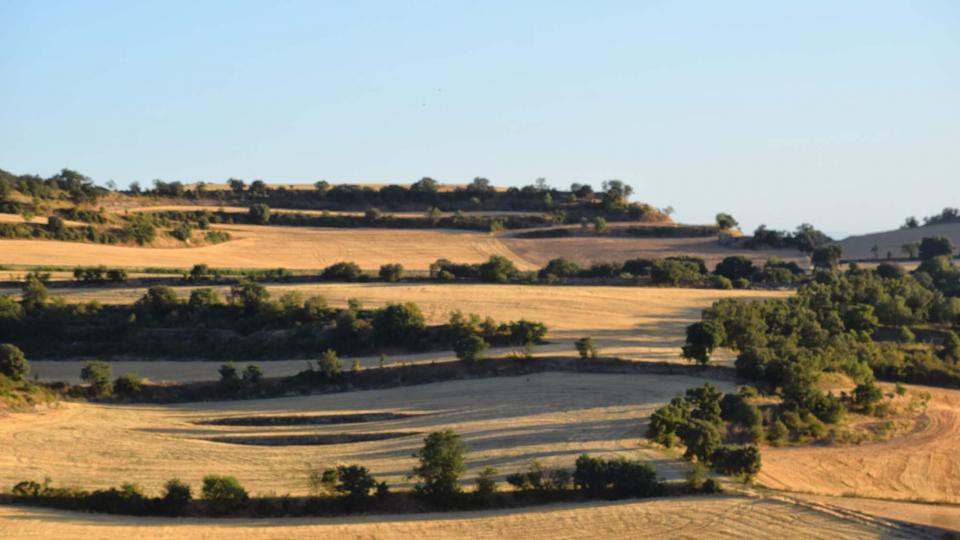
x=469, y=348
x=223, y=494
x=486, y=486
x=741, y=461
x=498, y=269
x=935, y=246
x=440, y=464
x=391, y=273
x=176, y=497
x=259, y=214
x=97, y=375
x=702, y=338
x=586, y=348
x=13, y=363
x=342, y=271
x=354, y=483
x=127, y=385
x=398, y=324
x=618, y=478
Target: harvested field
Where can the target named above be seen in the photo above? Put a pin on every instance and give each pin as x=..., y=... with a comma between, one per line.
x=587, y=249
x=505, y=422
x=921, y=464
x=641, y=323
x=858, y=247
x=274, y=247
x=689, y=517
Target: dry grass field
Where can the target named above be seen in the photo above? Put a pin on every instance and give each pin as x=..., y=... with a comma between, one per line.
x=921, y=464
x=505, y=422
x=275, y=247
x=641, y=323
x=255, y=246
x=585, y=250
x=858, y=247
x=693, y=518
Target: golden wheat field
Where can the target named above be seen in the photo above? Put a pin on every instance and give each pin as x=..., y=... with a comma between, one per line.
x=505, y=422
x=920, y=464
x=690, y=517
x=275, y=247
x=254, y=246
x=640, y=323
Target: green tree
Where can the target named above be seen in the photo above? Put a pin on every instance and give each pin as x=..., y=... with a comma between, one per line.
x=586, y=348
x=498, y=269
x=469, y=347
x=391, y=273
x=741, y=461
x=128, y=385
x=600, y=224
x=702, y=338
x=249, y=295
x=97, y=374
x=176, y=496
x=35, y=293
x=440, y=464
x=223, y=494
x=700, y=437
x=935, y=246
x=13, y=363
x=827, y=257
x=486, y=486
x=911, y=249
x=726, y=222
x=398, y=323
x=329, y=364
x=259, y=214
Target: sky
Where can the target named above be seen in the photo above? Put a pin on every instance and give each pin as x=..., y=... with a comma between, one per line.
x=841, y=114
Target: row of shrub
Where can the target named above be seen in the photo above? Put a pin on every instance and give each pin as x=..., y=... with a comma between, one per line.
x=352, y=488
x=248, y=323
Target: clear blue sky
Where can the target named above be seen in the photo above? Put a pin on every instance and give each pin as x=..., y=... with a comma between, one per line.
x=845, y=114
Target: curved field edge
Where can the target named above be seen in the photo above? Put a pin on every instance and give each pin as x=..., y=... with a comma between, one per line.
x=681, y=517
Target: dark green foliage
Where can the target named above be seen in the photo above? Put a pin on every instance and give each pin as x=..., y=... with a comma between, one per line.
x=700, y=438
x=827, y=257
x=97, y=375
x=675, y=272
x=354, y=483
x=486, y=486
x=34, y=294
x=159, y=302
x=440, y=464
x=259, y=214
x=252, y=374
x=725, y=221
x=176, y=497
x=469, y=347
x=398, y=323
x=391, y=272
x=342, y=271
x=127, y=385
x=742, y=461
x=616, y=478
x=140, y=229
x=498, y=269
x=735, y=267
x=702, y=338
x=13, y=363
x=249, y=295
x=935, y=246
x=586, y=348
x=560, y=268
x=866, y=396
x=223, y=494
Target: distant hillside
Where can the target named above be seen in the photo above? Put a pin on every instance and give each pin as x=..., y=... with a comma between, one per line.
x=859, y=247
